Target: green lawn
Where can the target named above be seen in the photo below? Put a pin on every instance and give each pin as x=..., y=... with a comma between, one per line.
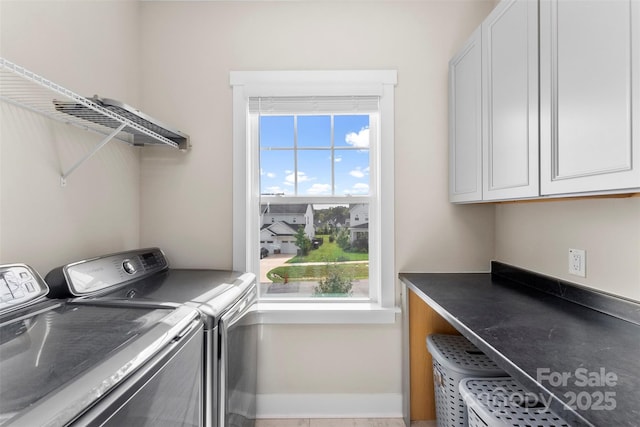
x=329, y=252
x=316, y=272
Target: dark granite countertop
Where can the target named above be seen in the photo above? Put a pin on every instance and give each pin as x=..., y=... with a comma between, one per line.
x=540, y=338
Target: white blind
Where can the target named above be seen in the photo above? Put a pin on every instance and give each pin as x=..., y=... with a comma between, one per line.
x=314, y=105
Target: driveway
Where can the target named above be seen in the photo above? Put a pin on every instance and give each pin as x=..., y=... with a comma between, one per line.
x=270, y=262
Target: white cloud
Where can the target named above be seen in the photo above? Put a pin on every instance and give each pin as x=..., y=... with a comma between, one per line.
x=319, y=189
x=358, y=172
x=358, y=188
x=337, y=159
x=267, y=174
x=360, y=139
x=290, y=178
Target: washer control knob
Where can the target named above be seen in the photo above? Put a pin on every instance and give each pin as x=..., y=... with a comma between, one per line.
x=128, y=267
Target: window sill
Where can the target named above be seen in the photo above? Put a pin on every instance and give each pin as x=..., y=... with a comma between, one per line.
x=324, y=313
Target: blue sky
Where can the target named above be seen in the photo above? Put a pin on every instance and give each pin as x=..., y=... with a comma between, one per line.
x=350, y=155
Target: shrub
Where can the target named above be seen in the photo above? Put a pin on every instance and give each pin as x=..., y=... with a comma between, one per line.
x=360, y=245
x=336, y=283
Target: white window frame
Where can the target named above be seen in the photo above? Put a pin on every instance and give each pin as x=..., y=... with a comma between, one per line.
x=246, y=189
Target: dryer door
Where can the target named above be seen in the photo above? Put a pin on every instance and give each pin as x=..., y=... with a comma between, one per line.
x=238, y=363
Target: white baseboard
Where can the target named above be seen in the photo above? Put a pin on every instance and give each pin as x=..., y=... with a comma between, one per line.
x=388, y=405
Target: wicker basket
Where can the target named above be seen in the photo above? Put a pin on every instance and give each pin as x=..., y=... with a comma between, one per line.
x=454, y=359
x=503, y=402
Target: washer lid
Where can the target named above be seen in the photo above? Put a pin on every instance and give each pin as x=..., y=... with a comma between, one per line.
x=59, y=360
x=213, y=292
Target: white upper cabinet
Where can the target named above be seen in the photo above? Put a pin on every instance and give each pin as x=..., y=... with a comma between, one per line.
x=589, y=96
x=510, y=101
x=465, y=123
x=557, y=118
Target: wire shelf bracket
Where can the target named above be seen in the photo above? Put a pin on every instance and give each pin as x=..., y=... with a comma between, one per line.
x=63, y=178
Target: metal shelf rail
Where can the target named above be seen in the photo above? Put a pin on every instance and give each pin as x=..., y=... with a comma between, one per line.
x=25, y=89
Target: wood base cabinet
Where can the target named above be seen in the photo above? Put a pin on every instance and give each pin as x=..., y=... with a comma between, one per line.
x=423, y=321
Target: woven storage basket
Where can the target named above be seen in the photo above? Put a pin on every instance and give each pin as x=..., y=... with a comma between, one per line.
x=454, y=359
x=503, y=402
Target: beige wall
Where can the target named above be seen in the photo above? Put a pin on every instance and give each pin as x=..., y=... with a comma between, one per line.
x=90, y=47
x=537, y=236
x=186, y=77
x=173, y=60
x=188, y=50
x=310, y=362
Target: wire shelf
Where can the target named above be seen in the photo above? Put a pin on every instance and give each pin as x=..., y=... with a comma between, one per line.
x=28, y=90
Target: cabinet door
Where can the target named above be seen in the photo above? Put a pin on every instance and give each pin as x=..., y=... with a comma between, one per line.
x=510, y=96
x=465, y=123
x=590, y=95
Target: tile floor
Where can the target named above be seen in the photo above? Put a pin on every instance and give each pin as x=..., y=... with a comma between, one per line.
x=322, y=422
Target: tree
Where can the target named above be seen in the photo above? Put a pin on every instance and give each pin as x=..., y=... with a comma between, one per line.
x=343, y=239
x=328, y=218
x=302, y=241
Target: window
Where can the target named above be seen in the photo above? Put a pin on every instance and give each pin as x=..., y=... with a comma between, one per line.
x=310, y=153
x=314, y=148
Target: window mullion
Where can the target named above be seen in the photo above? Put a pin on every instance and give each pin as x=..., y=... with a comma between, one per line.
x=333, y=160
x=295, y=154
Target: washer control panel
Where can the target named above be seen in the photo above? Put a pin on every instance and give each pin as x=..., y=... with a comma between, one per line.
x=19, y=285
x=94, y=275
